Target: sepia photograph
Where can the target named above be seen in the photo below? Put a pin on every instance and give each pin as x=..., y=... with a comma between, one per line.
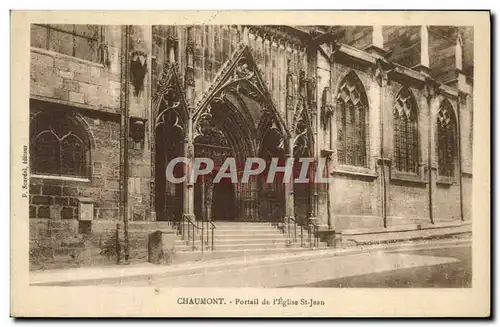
x=294, y=157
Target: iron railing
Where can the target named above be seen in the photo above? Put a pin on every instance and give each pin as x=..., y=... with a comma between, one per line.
x=189, y=229
x=313, y=234
x=289, y=227
x=294, y=222
x=208, y=241
x=212, y=232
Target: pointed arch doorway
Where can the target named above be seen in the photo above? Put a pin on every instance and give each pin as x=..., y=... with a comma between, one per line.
x=217, y=137
x=171, y=117
x=224, y=201
x=225, y=134
x=233, y=119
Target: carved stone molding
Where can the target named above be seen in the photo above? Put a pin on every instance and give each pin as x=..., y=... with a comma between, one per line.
x=326, y=106
x=301, y=140
x=138, y=70
x=189, y=70
x=207, y=132
x=239, y=75
x=381, y=72
x=431, y=88
x=169, y=94
x=283, y=35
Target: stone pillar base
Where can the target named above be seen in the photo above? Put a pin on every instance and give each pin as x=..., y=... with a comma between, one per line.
x=161, y=247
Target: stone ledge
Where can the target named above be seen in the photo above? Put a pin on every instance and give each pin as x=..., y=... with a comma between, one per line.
x=405, y=233
x=405, y=228
x=54, y=54
x=361, y=173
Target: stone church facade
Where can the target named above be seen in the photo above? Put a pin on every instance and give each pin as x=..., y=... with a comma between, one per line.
x=389, y=108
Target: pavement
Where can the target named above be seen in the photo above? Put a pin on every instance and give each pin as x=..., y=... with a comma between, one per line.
x=452, y=274
x=420, y=264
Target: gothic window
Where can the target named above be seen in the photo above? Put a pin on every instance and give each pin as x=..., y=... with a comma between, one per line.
x=81, y=41
x=352, y=110
x=59, y=146
x=406, y=145
x=446, y=140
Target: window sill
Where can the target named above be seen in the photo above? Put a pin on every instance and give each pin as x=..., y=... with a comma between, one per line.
x=354, y=171
x=64, y=56
x=397, y=176
x=61, y=178
x=445, y=181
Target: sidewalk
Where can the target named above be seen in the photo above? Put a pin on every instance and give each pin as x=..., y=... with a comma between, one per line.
x=146, y=271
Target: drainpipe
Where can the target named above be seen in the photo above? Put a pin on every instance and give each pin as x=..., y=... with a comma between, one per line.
x=460, y=159
x=382, y=163
x=383, y=70
x=430, y=94
x=124, y=132
x=460, y=79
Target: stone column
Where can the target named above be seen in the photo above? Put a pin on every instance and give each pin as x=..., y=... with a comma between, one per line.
x=461, y=86
x=430, y=88
x=430, y=91
x=290, y=97
x=312, y=99
x=289, y=192
x=209, y=191
x=383, y=160
x=188, y=205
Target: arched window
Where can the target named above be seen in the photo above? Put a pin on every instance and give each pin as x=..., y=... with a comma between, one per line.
x=446, y=140
x=59, y=146
x=406, y=145
x=352, y=110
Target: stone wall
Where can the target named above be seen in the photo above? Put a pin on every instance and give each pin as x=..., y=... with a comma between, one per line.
x=446, y=202
x=92, y=91
x=442, y=42
x=468, y=38
x=358, y=36
x=407, y=199
x=56, y=244
x=76, y=81
x=404, y=44
x=214, y=45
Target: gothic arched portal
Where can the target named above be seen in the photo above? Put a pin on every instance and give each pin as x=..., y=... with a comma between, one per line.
x=236, y=118
x=170, y=112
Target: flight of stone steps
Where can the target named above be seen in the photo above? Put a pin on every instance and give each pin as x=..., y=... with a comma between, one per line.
x=241, y=239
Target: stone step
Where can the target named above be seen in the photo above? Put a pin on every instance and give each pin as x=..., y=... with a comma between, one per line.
x=245, y=246
x=242, y=226
x=247, y=232
x=221, y=236
x=268, y=240
x=239, y=245
x=218, y=254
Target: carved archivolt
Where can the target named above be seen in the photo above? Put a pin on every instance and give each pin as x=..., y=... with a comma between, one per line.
x=210, y=140
x=240, y=75
x=169, y=94
x=207, y=132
